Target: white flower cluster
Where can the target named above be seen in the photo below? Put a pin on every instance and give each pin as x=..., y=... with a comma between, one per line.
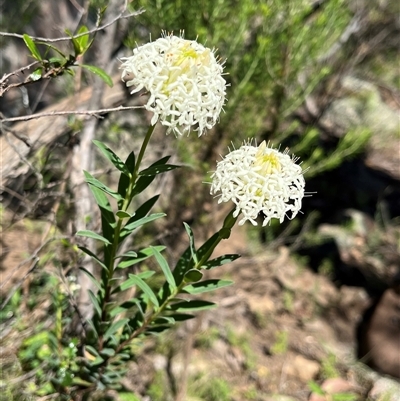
x=184, y=80
x=260, y=179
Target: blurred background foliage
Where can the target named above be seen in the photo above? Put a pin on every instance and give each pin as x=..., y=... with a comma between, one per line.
x=271, y=49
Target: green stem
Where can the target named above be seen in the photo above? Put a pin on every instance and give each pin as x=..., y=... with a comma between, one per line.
x=118, y=227
x=142, y=150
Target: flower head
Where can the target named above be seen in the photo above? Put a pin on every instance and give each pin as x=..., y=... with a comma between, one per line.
x=260, y=179
x=184, y=80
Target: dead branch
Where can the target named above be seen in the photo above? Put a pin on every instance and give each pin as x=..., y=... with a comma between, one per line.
x=94, y=30
x=93, y=113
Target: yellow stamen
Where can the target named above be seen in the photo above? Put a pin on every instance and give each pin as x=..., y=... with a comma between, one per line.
x=268, y=161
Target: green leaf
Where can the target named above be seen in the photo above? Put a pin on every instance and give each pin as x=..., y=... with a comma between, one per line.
x=184, y=264
x=107, y=352
x=127, y=305
x=36, y=75
x=107, y=228
x=115, y=327
x=92, y=351
x=140, y=212
x=191, y=242
x=142, y=255
x=154, y=170
x=124, y=180
x=92, y=326
x=100, y=73
x=123, y=215
x=57, y=62
x=141, y=184
x=93, y=256
x=164, y=320
x=147, y=274
x=181, y=317
x=157, y=329
x=206, y=286
x=164, y=267
x=135, y=280
x=221, y=260
x=82, y=40
x=104, y=204
x=107, y=216
x=97, y=359
x=77, y=381
x=208, y=247
x=129, y=254
x=77, y=48
x=193, y=275
x=70, y=72
x=144, y=181
x=95, y=302
x=144, y=209
x=96, y=183
x=130, y=227
x=143, y=275
x=48, y=46
x=192, y=305
x=112, y=157
x=75, y=43
x=91, y=277
x=30, y=44
x=92, y=234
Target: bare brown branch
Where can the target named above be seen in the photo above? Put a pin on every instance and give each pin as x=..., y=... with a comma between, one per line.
x=65, y=38
x=93, y=113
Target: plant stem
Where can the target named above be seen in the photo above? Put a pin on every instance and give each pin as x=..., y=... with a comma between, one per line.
x=117, y=231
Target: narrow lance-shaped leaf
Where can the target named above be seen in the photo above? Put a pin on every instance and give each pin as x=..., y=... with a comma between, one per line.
x=165, y=268
x=191, y=242
x=115, y=327
x=92, y=234
x=100, y=73
x=91, y=277
x=124, y=180
x=129, y=254
x=82, y=40
x=219, y=261
x=181, y=317
x=143, y=275
x=144, y=181
x=110, y=155
x=30, y=44
x=98, y=184
x=135, y=280
x=103, y=204
x=143, y=254
x=184, y=264
x=155, y=170
x=95, y=302
x=206, y=286
x=75, y=43
x=92, y=255
x=107, y=217
x=192, y=305
x=130, y=227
